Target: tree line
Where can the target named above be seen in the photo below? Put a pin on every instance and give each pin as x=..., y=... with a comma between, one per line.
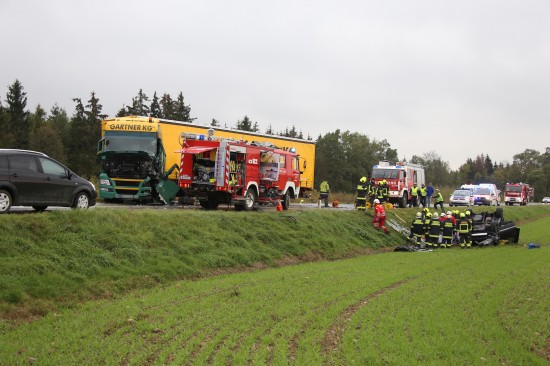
x=342, y=158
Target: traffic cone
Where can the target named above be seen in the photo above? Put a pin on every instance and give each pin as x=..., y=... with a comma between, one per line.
x=279, y=206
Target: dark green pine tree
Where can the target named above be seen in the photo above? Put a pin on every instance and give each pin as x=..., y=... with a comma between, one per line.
x=139, y=104
x=168, y=106
x=123, y=111
x=245, y=124
x=6, y=137
x=489, y=165
x=214, y=123
x=85, y=131
x=269, y=130
x=182, y=111
x=18, y=117
x=292, y=132
x=155, y=109
x=256, y=127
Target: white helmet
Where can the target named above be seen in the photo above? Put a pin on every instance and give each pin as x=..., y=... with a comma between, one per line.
x=418, y=215
x=376, y=200
x=435, y=214
x=449, y=213
x=442, y=214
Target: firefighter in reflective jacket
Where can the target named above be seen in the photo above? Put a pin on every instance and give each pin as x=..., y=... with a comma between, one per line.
x=380, y=191
x=371, y=191
x=362, y=190
x=386, y=191
x=418, y=229
x=463, y=228
x=471, y=222
x=427, y=220
x=448, y=231
x=423, y=196
x=435, y=230
x=415, y=191
x=379, y=220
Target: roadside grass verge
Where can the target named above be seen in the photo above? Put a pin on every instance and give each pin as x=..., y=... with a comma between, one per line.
x=57, y=258
x=480, y=306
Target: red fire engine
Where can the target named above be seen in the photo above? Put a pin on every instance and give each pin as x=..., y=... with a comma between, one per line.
x=519, y=193
x=235, y=172
x=400, y=178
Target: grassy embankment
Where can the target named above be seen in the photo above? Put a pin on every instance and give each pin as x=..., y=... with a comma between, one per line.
x=481, y=306
x=61, y=257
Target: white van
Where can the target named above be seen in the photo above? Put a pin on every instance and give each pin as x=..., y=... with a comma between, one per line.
x=487, y=194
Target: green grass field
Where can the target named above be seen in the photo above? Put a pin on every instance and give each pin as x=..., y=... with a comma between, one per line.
x=479, y=306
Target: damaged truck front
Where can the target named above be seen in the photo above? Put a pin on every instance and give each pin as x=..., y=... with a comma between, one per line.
x=133, y=162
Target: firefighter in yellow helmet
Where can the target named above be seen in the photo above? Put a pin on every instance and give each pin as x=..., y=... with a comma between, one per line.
x=418, y=229
x=362, y=190
x=463, y=229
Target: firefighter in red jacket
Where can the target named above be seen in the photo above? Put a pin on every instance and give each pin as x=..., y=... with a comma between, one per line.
x=379, y=220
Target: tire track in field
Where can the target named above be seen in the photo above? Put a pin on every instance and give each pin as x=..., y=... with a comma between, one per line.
x=333, y=336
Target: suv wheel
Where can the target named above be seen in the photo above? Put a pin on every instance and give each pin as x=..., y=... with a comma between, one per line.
x=5, y=201
x=81, y=201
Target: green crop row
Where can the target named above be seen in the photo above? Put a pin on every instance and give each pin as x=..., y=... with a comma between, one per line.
x=480, y=306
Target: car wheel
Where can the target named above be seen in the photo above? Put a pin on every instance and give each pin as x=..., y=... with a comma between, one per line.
x=5, y=201
x=40, y=208
x=81, y=201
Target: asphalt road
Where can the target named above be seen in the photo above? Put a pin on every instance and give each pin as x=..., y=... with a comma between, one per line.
x=293, y=206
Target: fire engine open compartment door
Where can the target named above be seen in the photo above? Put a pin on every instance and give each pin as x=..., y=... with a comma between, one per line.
x=269, y=165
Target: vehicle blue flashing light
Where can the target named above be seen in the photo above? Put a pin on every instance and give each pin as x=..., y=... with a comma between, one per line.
x=201, y=137
x=399, y=166
x=376, y=166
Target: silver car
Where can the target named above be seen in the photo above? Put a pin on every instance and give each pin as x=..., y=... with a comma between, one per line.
x=461, y=197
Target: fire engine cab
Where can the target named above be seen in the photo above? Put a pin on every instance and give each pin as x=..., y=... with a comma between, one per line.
x=236, y=172
x=520, y=193
x=400, y=178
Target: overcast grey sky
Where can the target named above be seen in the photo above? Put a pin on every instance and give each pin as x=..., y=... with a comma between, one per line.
x=459, y=78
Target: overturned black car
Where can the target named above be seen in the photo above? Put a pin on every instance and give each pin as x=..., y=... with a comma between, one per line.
x=489, y=228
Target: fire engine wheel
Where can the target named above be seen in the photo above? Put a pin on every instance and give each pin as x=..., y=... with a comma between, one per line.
x=209, y=204
x=286, y=201
x=404, y=199
x=250, y=202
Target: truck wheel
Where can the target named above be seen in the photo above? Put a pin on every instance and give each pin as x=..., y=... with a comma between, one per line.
x=404, y=199
x=250, y=199
x=5, y=201
x=81, y=201
x=209, y=204
x=286, y=201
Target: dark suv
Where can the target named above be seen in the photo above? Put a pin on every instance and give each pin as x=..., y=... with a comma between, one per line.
x=30, y=178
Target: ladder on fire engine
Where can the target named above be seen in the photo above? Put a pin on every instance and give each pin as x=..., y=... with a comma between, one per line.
x=221, y=173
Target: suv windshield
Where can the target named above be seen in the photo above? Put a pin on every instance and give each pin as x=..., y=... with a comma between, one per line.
x=130, y=141
x=483, y=191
